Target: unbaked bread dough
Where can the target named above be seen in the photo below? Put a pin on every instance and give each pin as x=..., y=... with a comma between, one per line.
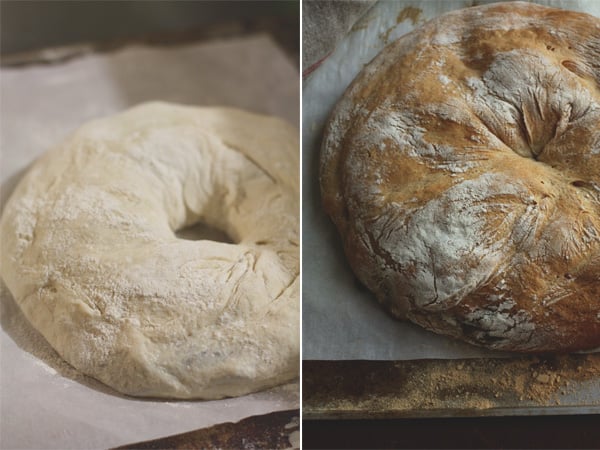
x=462, y=170
x=90, y=255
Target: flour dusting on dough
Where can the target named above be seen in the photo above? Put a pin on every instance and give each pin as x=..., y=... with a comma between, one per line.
x=91, y=256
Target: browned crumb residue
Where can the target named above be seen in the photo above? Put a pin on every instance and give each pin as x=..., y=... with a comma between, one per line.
x=411, y=13
x=362, y=24
x=408, y=13
x=539, y=381
x=406, y=387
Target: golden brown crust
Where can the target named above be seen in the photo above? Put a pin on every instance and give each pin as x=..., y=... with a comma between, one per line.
x=462, y=169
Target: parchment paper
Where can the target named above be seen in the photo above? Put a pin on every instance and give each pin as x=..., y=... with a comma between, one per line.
x=44, y=402
x=340, y=319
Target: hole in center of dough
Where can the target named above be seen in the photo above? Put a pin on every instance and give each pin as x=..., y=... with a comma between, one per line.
x=203, y=232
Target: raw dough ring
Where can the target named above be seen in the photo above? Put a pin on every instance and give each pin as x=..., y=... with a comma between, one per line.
x=462, y=169
x=90, y=255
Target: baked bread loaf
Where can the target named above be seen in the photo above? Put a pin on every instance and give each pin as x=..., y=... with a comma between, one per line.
x=462, y=170
x=89, y=251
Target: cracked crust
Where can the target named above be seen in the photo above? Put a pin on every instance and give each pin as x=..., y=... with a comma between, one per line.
x=468, y=196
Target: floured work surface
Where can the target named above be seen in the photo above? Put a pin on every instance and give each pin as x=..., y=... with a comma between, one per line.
x=341, y=319
x=44, y=402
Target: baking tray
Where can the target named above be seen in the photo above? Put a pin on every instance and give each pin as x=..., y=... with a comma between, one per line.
x=529, y=385
x=277, y=430
x=359, y=361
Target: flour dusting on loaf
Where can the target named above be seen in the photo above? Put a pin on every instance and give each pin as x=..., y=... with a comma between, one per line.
x=462, y=170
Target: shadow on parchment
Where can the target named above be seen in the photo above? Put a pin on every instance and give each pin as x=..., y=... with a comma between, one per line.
x=9, y=186
x=28, y=339
x=18, y=328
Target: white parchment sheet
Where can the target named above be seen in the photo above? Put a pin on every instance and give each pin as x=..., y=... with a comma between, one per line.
x=340, y=319
x=45, y=403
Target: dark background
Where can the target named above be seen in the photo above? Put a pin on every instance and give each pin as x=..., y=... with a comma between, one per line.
x=541, y=432
x=32, y=25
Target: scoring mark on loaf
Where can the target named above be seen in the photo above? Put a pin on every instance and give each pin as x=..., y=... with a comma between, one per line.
x=526, y=109
x=448, y=246
x=405, y=130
